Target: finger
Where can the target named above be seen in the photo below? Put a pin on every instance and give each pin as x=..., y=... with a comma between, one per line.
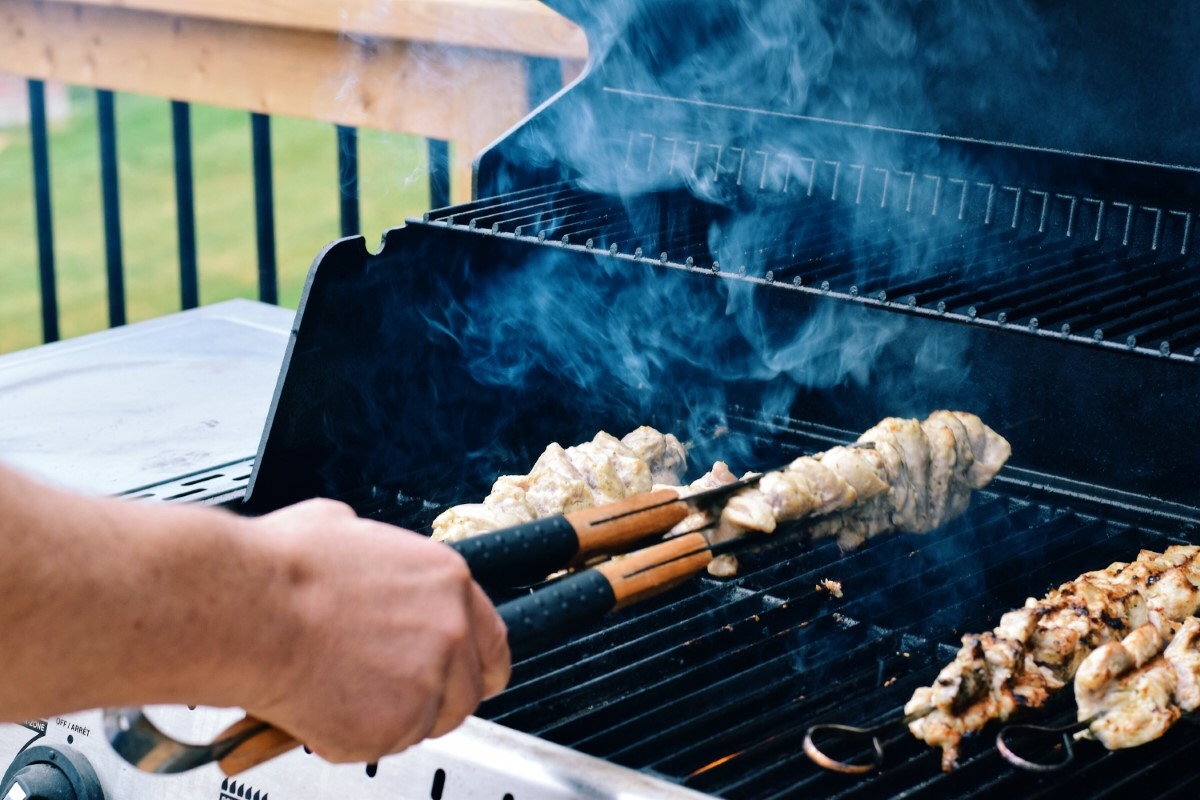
x=463, y=687
x=491, y=642
x=422, y=726
x=325, y=507
x=315, y=509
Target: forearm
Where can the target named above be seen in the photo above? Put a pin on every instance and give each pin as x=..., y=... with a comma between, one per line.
x=109, y=602
x=356, y=637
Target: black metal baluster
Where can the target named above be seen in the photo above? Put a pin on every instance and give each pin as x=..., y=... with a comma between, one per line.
x=439, y=173
x=40, y=144
x=347, y=139
x=185, y=204
x=111, y=196
x=264, y=208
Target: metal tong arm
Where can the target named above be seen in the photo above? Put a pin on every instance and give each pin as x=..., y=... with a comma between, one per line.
x=575, y=600
x=524, y=554
x=247, y=742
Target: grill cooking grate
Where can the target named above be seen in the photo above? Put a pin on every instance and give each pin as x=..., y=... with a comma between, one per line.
x=712, y=686
x=1116, y=281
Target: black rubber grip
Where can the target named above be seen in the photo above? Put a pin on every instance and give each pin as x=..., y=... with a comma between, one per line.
x=547, y=613
x=522, y=554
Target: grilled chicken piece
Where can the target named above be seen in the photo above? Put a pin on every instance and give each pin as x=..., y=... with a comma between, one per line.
x=1129, y=700
x=556, y=486
x=990, y=451
x=1137, y=708
x=1134, y=690
x=930, y=469
x=901, y=443
x=990, y=678
x=1183, y=654
x=807, y=486
x=471, y=519
x=1038, y=649
x=570, y=479
x=887, y=480
x=663, y=453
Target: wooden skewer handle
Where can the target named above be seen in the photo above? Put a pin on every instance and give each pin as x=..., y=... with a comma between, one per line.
x=257, y=748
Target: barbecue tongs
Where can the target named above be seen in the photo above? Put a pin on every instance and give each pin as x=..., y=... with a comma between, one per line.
x=525, y=554
x=510, y=557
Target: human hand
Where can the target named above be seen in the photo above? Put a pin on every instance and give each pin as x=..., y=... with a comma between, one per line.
x=384, y=639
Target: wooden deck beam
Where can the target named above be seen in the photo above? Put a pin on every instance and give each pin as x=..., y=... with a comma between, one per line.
x=405, y=71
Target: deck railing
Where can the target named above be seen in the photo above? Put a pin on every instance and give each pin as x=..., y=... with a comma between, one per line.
x=460, y=71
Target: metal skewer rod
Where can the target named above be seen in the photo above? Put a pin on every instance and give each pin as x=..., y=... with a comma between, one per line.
x=848, y=734
x=1040, y=734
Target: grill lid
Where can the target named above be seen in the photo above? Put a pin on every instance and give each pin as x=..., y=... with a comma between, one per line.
x=1068, y=278
x=1104, y=79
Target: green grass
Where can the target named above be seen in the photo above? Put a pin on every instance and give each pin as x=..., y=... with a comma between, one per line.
x=393, y=185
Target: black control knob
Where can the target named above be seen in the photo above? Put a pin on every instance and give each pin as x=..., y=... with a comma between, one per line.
x=50, y=773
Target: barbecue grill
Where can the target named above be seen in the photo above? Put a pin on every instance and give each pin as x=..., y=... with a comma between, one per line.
x=763, y=227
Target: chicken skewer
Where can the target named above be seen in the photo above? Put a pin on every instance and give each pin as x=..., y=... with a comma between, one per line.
x=528, y=552
x=914, y=477
x=1127, y=693
x=901, y=474
x=566, y=480
x=1126, y=689
x=1036, y=650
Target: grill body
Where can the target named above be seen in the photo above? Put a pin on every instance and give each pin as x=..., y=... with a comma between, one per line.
x=763, y=227
x=701, y=236
x=717, y=217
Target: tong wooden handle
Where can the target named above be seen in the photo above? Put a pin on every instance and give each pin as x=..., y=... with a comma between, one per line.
x=528, y=552
x=261, y=742
x=587, y=596
x=615, y=526
x=653, y=570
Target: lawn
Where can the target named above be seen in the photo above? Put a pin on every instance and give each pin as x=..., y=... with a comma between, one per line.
x=393, y=185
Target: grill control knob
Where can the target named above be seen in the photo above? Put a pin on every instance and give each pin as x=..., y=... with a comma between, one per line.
x=50, y=773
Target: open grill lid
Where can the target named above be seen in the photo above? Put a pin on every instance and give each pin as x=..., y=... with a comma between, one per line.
x=581, y=293
x=675, y=238
x=1101, y=79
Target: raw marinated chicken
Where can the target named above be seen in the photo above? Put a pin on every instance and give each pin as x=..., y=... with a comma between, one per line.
x=722, y=566
x=1134, y=690
x=1036, y=650
x=569, y=479
x=902, y=474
